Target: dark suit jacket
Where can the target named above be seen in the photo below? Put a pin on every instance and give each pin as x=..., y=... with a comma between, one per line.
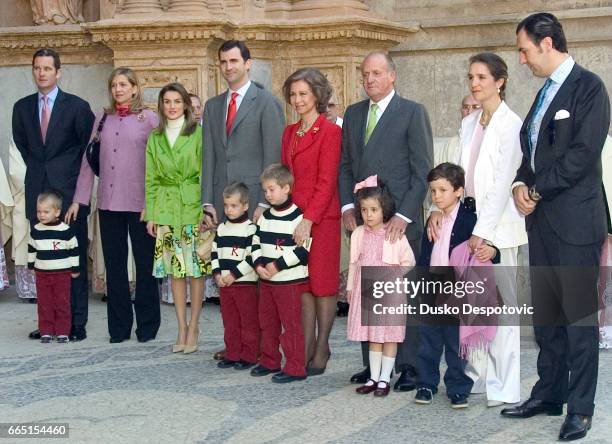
x=253, y=144
x=568, y=160
x=400, y=152
x=56, y=163
x=462, y=231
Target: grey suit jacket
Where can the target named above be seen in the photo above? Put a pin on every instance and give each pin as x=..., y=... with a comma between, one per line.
x=253, y=144
x=400, y=152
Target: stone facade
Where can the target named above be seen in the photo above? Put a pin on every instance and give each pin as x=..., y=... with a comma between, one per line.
x=177, y=40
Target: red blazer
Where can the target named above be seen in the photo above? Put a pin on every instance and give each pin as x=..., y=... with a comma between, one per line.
x=314, y=161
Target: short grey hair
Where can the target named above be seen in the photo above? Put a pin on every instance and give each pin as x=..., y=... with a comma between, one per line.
x=390, y=63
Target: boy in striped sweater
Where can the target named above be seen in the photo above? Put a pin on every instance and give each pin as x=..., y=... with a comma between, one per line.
x=232, y=268
x=54, y=256
x=282, y=267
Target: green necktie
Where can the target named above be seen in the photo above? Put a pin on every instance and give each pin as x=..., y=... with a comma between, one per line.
x=372, y=119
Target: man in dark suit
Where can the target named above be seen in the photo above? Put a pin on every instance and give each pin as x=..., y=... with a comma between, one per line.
x=558, y=187
x=389, y=136
x=51, y=129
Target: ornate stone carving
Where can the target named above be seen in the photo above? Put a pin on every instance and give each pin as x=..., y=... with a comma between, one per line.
x=152, y=80
x=57, y=12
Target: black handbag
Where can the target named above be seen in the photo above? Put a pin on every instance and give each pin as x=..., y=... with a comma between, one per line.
x=92, y=151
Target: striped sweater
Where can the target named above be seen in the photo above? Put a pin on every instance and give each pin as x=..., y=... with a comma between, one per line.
x=231, y=250
x=53, y=248
x=273, y=242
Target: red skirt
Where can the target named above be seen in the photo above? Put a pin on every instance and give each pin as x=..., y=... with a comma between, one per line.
x=324, y=258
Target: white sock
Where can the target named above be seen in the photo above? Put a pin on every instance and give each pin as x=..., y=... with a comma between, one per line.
x=385, y=373
x=375, y=362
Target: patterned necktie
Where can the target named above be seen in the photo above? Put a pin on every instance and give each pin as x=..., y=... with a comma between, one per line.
x=372, y=120
x=231, y=114
x=538, y=107
x=44, y=118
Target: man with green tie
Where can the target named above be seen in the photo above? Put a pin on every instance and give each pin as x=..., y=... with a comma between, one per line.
x=391, y=137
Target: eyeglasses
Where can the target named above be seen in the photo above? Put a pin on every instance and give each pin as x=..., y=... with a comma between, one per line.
x=470, y=107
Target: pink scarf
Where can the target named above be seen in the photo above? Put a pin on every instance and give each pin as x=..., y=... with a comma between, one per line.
x=475, y=331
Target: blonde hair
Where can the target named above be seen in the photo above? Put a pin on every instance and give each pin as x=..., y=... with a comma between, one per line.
x=53, y=197
x=136, y=104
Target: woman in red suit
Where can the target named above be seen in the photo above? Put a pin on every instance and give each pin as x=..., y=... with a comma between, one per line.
x=311, y=150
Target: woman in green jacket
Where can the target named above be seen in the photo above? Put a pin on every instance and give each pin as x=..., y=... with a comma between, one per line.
x=172, y=206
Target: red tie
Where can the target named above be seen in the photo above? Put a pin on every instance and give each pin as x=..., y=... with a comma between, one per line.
x=231, y=113
x=44, y=118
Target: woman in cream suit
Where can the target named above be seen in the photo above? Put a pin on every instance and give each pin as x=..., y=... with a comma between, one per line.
x=490, y=153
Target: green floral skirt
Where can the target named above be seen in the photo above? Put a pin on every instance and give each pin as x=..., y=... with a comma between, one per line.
x=175, y=253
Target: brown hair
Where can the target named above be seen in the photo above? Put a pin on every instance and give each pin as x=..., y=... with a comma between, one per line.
x=278, y=173
x=190, y=123
x=136, y=104
x=238, y=188
x=318, y=83
x=497, y=67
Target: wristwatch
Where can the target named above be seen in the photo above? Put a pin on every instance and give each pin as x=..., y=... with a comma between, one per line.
x=534, y=195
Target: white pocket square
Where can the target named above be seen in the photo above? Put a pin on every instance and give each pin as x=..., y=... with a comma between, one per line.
x=562, y=114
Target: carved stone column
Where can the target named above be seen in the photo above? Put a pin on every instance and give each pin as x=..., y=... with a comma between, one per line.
x=139, y=7
x=197, y=6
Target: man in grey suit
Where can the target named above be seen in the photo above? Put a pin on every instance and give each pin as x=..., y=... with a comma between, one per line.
x=389, y=136
x=242, y=131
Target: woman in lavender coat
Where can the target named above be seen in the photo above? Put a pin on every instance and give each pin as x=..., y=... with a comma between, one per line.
x=123, y=141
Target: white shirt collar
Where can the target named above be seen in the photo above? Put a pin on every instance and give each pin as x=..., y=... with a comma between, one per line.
x=563, y=71
x=383, y=103
x=241, y=91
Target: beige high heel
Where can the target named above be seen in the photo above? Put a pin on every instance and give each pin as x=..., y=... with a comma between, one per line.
x=178, y=348
x=192, y=348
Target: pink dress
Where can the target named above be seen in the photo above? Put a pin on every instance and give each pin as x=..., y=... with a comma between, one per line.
x=370, y=254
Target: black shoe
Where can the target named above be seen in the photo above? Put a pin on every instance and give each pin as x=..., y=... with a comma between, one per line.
x=62, y=339
x=423, y=396
x=34, y=334
x=32, y=301
x=145, y=339
x=361, y=377
x=243, y=365
x=283, y=378
x=216, y=301
x=104, y=298
x=226, y=363
x=405, y=382
x=46, y=339
x=532, y=407
x=574, y=427
x=117, y=340
x=78, y=334
x=260, y=370
x=314, y=371
x=459, y=401
x=342, y=309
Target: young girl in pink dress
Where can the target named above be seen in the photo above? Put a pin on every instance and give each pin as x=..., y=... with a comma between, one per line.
x=369, y=248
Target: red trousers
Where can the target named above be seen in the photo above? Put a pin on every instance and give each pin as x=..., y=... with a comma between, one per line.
x=53, y=293
x=240, y=322
x=280, y=319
